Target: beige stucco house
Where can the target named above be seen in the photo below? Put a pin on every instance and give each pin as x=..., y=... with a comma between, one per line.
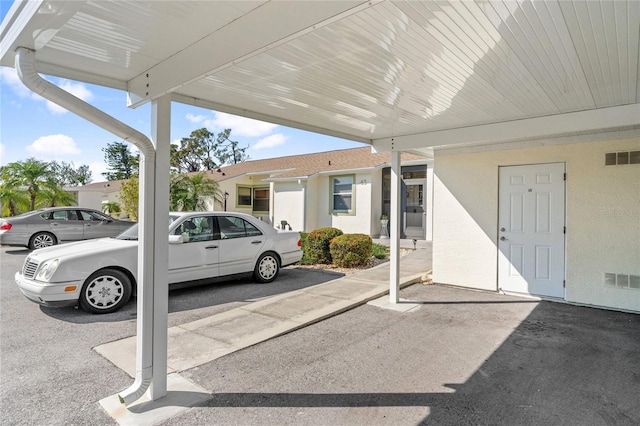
x=559, y=219
x=346, y=189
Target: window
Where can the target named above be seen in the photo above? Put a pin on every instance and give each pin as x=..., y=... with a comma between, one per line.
x=244, y=197
x=235, y=227
x=85, y=215
x=196, y=229
x=59, y=215
x=342, y=194
x=261, y=200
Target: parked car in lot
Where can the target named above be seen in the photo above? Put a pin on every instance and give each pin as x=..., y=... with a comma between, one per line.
x=50, y=226
x=101, y=275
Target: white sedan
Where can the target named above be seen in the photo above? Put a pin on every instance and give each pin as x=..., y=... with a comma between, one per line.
x=100, y=275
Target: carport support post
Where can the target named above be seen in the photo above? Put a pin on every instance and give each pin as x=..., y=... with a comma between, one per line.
x=153, y=255
x=161, y=138
x=394, y=270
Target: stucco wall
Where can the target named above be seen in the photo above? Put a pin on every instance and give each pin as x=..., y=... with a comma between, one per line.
x=602, y=216
x=360, y=222
x=288, y=204
x=90, y=199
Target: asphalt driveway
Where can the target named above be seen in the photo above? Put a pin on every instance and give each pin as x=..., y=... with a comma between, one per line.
x=459, y=357
x=454, y=357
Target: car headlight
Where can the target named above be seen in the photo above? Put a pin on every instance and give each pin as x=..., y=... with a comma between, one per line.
x=46, y=270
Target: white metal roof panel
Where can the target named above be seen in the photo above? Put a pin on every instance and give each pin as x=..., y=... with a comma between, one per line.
x=365, y=70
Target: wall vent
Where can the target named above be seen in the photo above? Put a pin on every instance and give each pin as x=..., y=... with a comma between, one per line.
x=620, y=158
x=622, y=280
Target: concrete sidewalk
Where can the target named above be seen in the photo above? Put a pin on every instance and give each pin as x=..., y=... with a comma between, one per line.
x=199, y=342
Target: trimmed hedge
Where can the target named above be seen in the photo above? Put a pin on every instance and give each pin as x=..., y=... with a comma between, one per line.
x=315, y=245
x=351, y=250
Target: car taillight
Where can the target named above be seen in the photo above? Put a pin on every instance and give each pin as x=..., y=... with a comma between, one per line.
x=299, y=243
x=5, y=226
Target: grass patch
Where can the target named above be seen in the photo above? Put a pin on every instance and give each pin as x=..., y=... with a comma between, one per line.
x=380, y=251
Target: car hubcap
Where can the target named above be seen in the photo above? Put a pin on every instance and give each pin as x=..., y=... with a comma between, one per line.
x=104, y=292
x=42, y=241
x=268, y=267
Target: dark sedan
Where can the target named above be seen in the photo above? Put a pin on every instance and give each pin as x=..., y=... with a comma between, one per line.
x=48, y=227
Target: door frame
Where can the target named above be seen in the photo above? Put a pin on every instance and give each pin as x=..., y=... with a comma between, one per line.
x=564, y=236
x=403, y=212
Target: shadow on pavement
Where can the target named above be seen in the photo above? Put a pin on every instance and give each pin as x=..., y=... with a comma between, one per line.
x=238, y=291
x=552, y=363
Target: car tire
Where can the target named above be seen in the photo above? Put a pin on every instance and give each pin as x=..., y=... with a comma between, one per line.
x=267, y=268
x=42, y=239
x=105, y=291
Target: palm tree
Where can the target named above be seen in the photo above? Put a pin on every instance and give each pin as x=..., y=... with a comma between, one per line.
x=13, y=201
x=31, y=174
x=52, y=195
x=188, y=192
x=12, y=198
x=111, y=207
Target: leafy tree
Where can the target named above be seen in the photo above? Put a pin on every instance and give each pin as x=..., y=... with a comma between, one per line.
x=203, y=150
x=230, y=153
x=129, y=191
x=187, y=192
x=67, y=175
x=120, y=161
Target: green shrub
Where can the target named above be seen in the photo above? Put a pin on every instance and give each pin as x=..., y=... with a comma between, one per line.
x=351, y=250
x=306, y=259
x=315, y=246
x=380, y=251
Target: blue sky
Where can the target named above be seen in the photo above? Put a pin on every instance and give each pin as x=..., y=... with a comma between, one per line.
x=30, y=126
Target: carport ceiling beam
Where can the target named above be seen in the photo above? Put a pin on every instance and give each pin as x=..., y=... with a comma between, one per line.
x=597, y=120
x=241, y=39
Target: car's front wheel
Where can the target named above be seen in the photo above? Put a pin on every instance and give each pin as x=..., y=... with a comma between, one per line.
x=267, y=268
x=42, y=239
x=105, y=291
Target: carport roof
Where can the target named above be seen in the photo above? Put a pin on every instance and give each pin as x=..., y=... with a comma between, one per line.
x=396, y=74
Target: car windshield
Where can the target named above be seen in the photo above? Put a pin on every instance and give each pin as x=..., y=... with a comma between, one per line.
x=132, y=232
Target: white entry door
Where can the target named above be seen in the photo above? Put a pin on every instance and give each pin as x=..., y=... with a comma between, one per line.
x=531, y=229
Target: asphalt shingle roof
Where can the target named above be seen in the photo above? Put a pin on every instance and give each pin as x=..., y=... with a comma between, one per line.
x=306, y=165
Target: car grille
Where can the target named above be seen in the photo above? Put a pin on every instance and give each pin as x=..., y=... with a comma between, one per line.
x=29, y=268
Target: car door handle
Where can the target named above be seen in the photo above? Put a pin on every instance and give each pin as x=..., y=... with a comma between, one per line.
x=211, y=247
x=256, y=242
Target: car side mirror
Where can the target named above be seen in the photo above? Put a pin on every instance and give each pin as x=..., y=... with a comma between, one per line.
x=176, y=239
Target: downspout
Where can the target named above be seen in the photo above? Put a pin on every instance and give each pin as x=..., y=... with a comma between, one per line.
x=25, y=68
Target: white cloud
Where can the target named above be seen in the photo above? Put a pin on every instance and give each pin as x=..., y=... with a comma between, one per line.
x=270, y=141
x=196, y=118
x=9, y=76
x=78, y=90
x=53, y=147
x=239, y=126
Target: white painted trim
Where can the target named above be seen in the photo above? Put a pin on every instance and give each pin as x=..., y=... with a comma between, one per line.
x=592, y=137
x=568, y=124
x=394, y=238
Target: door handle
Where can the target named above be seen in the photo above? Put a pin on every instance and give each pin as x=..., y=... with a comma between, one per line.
x=211, y=247
x=256, y=242
x=503, y=239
